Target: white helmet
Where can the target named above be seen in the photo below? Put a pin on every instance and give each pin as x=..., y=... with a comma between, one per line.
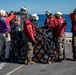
x=59, y=13
x=48, y=13
x=2, y=12
x=23, y=8
x=35, y=16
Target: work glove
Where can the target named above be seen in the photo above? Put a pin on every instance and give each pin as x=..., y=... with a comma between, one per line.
x=33, y=42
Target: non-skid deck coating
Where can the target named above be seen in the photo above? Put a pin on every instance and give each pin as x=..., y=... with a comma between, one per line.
x=68, y=67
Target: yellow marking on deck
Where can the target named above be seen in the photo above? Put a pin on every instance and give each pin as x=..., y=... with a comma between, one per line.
x=14, y=70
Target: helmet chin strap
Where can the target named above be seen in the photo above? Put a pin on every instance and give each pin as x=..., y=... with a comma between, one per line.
x=48, y=14
x=57, y=15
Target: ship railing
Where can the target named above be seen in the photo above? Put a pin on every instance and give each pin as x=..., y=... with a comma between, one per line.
x=68, y=38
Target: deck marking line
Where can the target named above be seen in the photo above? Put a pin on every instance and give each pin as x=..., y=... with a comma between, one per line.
x=1, y=65
x=14, y=70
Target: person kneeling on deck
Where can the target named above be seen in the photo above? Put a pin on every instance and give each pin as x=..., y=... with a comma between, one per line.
x=29, y=33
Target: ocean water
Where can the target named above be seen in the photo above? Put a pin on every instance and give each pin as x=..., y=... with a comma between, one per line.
x=66, y=16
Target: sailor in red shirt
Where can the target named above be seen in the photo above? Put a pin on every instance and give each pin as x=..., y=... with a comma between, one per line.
x=73, y=29
x=10, y=17
x=49, y=19
x=73, y=20
x=59, y=34
x=29, y=33
x=50, y=24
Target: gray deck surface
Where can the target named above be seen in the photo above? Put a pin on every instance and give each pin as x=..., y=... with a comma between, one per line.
x=68, y=67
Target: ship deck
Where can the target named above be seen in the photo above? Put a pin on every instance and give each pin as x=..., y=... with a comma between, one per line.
x=68, y=67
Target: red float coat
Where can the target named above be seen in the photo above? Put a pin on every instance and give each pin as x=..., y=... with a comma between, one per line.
x=60, y=27
x=9, y=18
x=73, y=21
x=29, y=29
x=49, y=20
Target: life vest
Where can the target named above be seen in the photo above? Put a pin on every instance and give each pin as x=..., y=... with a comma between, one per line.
x=18, y=22
x=73, y=22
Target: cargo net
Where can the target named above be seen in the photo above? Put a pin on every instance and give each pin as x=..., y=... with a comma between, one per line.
x=44, y=49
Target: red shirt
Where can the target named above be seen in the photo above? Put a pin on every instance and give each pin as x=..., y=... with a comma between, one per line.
x=9, y=18
x=29, y=29
x=49, y=20
x=73, y=21
x=60, y=26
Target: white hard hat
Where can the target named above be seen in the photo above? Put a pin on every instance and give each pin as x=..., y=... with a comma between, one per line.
x=2, y=12
x=59, y=13
x=23, y=8
x=35, y=16
x=48, y=12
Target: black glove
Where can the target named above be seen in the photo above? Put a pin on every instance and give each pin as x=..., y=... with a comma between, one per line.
x=33, y=42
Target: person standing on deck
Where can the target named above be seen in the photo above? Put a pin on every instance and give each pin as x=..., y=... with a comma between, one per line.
x=29, y=33
x=5, y=32
x=24, y=11
x=73, y=29
x=50, y=20
x=59, y=34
